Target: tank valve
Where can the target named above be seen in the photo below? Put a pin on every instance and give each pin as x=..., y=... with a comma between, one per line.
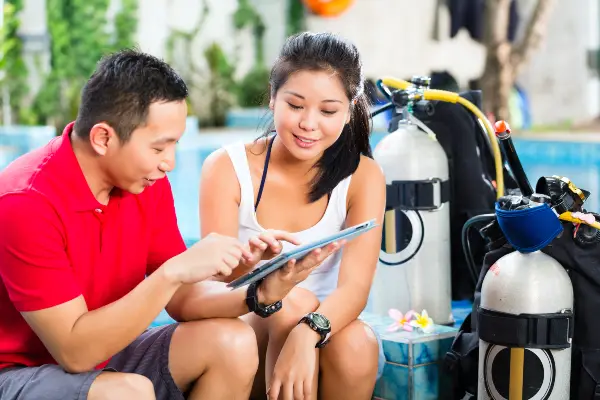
x=421, y=82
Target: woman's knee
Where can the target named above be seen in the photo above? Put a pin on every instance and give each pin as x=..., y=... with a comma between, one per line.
x=296, y=304
x=301, y=300
x=117, y=386
x=353, y=353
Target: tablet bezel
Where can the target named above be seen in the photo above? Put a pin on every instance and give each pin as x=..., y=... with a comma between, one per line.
x=298, y=253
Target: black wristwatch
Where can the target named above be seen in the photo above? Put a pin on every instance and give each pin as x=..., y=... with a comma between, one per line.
x=262, y=310
x=320, y=324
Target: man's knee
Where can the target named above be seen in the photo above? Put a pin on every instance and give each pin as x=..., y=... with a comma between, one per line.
x=237, y=342
x=229, y=340
x=117, y=386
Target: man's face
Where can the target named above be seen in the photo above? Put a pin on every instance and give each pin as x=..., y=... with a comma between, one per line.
x=150, y=152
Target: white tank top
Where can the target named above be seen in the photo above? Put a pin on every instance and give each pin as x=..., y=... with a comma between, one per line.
x=323, y=280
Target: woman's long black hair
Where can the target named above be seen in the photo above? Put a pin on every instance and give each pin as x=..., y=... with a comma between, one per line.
x=326, y=51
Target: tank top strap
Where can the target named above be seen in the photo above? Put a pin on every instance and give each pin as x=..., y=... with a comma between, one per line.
x=239, y=159
x=339, y=196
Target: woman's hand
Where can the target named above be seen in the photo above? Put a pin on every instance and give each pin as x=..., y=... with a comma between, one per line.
x=267, y=245
x=262, y=247
x=294, y=370
x=279, y=283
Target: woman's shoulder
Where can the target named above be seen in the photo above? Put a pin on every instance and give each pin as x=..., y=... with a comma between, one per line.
x=367, y=179
x=217, y=162
x=222, y=157
x=368, y=169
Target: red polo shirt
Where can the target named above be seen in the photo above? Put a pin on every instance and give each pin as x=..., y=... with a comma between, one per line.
x=58, y=242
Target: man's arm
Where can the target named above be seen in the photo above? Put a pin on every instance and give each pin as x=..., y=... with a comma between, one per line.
x=219, y=202
x=33, y=264
x=166, y=242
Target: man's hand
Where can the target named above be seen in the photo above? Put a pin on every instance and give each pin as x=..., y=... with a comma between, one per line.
x=262, y=247
x=214, y=255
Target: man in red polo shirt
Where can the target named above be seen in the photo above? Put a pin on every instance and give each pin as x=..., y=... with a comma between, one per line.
x=83, y=221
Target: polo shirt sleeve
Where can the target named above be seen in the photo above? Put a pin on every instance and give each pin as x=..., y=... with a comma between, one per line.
x=166, y=241
x=34, y=265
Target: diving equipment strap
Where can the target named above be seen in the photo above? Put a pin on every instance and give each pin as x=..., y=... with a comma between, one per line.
x=540, y=331
x=428, y=194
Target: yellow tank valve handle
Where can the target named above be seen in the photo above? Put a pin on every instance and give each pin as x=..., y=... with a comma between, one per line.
x=451, y=97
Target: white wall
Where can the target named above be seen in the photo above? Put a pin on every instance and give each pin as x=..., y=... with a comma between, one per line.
x=560, y=84
x=395, y=37
x=158, y=17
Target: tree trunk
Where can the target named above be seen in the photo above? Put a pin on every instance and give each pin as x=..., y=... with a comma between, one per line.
x=496, y=81
x=504, y=61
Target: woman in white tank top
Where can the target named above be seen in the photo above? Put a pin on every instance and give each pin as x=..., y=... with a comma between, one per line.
x=312, y=178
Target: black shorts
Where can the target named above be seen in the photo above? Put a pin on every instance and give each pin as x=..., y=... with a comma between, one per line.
x=148, y=355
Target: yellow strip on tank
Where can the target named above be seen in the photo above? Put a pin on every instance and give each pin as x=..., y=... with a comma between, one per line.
x=390, y=231
x=515, y=388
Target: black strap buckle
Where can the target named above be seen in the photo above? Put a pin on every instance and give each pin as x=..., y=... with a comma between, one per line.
x=426, y=195
x=541, y=331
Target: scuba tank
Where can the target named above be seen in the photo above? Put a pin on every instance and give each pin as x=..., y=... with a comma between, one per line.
x=525, y=315
x=414, y=264
x=533, y=331
x=476, y=174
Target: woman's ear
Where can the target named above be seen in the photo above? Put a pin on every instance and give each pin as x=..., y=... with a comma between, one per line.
x=350, y=111
x=272, y=104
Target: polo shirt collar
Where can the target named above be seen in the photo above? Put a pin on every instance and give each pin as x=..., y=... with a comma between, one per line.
x=80, y=196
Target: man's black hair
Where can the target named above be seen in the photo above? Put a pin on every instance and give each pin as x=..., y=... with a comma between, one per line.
x=122, y=89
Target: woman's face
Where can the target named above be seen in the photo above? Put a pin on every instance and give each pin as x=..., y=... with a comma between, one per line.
x=310, y=111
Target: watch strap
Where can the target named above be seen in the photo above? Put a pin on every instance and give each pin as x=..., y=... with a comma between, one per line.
x=307, y=319
x=262, y=310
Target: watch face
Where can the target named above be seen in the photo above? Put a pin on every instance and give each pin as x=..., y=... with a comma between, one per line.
x=320, y=321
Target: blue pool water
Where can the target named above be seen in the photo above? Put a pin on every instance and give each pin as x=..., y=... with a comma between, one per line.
x=578, y=160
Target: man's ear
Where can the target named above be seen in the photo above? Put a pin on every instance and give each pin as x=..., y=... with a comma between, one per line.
x=102, y=137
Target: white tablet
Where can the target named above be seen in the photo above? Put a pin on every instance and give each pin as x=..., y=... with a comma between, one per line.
x=298, y=253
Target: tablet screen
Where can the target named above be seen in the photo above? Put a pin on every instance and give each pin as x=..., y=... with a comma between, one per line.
x=298, y=253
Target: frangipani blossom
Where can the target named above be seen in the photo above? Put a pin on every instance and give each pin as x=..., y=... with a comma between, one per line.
x=423, y=322
x=400, y=321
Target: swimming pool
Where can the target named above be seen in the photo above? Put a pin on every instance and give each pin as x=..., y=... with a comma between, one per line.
x=578, y=160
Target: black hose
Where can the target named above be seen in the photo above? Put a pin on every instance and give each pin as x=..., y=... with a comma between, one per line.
x=383, y=89
x=388, y=106
x=466, y=245
x=514, y=163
